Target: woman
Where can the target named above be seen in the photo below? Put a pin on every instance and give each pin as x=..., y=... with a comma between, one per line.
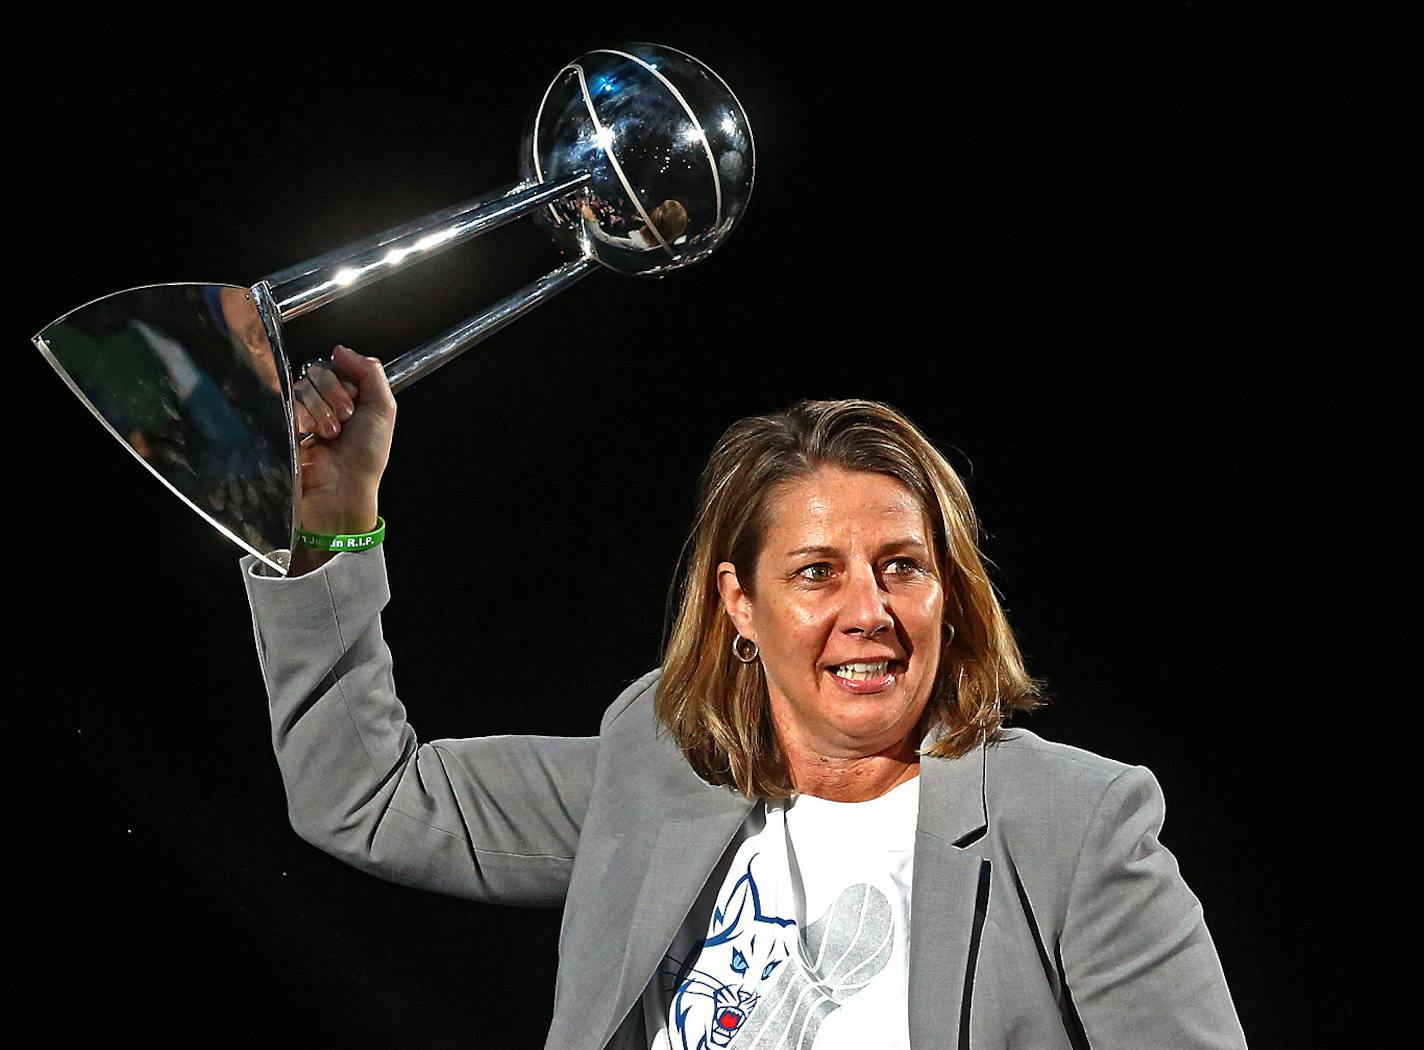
x=809, y=828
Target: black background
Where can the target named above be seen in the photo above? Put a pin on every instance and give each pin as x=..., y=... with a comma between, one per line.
x=1106, y=267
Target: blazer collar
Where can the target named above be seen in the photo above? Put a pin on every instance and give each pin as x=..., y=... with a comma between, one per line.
x=953, y=801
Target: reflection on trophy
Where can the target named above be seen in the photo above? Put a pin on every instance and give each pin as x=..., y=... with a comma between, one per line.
x=637, y=159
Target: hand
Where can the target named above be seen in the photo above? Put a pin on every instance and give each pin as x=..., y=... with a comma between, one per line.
x=349, y=407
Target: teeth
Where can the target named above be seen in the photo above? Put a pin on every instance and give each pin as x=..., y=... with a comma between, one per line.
x=862, y=672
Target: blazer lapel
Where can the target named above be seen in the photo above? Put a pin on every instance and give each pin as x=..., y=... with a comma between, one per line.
x=948, y=899
x=689, y=845
x=698, y=822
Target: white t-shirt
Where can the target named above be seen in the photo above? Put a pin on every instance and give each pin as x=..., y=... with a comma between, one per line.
x=800, y=938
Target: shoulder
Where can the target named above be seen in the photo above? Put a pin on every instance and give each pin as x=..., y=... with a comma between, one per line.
x=1027, y=752
x=646, y=752
x=1063, y=813
x=1058, y=783
x=634, y=703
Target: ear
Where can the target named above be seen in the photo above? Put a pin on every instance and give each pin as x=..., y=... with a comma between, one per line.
x=729, y=915
x=735, y=600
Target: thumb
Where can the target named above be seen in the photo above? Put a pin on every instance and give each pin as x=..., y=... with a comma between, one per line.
x=368, y=373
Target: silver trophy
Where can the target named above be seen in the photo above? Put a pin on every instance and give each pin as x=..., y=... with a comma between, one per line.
x=637, y=159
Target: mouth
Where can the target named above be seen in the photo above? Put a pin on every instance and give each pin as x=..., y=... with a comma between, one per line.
x=866, y=676
x=729, y=1019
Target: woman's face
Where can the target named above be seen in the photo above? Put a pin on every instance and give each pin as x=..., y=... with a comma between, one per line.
x=847, y=613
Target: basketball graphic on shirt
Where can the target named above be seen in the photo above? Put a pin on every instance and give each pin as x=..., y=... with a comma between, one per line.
x=844, y=950
x=753, y=985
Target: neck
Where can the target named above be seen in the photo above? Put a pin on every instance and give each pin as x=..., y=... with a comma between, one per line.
x=856, y=778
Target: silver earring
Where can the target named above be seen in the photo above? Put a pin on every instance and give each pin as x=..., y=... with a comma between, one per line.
x=739, y=648
x=950, y=640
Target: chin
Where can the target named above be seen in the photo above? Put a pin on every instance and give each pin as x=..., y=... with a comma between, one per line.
x=870, y=731
x=840, y=721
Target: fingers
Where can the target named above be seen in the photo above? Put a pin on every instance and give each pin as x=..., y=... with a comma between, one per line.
x=336, y=392
x=305, y=423
x=324, y=399
x=314, y=414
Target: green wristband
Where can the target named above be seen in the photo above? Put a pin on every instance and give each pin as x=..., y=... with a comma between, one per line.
x=358, y=542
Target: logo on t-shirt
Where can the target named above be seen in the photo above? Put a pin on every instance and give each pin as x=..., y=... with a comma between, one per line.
x=750, y=979
x=723, y=978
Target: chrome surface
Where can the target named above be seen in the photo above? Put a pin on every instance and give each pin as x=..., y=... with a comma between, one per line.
x=187, y=379
x=450, y=344
x=638, y=158
x=303, y=269
x=426, y=358
x=669, y=146
x=367, y=262
x=271, y=319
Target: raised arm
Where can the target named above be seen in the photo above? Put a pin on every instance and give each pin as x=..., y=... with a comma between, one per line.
x=1136, y=955
x=491, y=818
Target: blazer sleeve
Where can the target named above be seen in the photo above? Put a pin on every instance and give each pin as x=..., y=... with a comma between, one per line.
x=491, y=818
x=1138, y=962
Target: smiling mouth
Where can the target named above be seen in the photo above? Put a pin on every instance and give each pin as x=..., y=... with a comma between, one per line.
x=866, y=676
x=862, y=671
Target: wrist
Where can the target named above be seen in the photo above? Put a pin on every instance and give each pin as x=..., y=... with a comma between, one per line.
x=311, y=550
x=338, y=542
x=304, y=559
x=346, y=521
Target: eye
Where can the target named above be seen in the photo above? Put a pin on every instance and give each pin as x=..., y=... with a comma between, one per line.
x=766, y=972
x=739, y=961
x=904, y=566
x=817, y=573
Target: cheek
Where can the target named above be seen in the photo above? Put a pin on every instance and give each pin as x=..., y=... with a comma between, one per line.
x=792, y=633
x=924, y=619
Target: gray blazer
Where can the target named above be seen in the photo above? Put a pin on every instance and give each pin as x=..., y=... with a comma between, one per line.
x=1045, y=913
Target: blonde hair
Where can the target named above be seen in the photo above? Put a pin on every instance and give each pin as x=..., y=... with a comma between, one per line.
x=670, y=220
x=717, y=707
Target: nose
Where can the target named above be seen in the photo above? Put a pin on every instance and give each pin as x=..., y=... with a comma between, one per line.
x=867, y=604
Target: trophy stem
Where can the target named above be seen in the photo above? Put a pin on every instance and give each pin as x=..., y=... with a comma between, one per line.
x=299, y=289
x=429, y=356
